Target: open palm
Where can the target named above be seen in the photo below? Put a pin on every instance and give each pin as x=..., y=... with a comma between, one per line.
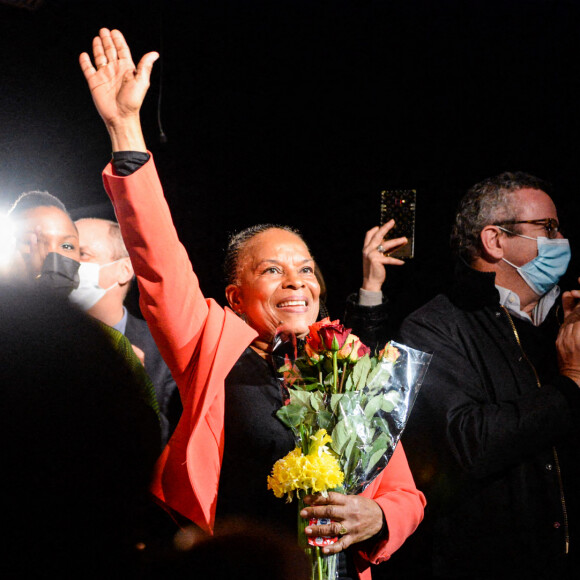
x=118, y=87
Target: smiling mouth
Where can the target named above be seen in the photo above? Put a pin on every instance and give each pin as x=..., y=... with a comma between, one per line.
x=292, y=304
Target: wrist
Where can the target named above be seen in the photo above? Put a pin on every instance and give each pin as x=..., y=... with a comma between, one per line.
x=371, y=286
x=573, y=374
x=126, y=135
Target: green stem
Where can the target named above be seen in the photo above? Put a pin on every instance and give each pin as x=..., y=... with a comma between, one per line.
x=342, y=377
x=305, y=437
x=335, y=371
x=319, y=563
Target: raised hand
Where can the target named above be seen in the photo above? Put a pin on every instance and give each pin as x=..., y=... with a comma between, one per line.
x=118, y=87
x=375, y=256
x=571, y=306
x=568, y=341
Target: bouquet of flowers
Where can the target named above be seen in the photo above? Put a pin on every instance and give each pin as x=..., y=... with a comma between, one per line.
x=347, y=410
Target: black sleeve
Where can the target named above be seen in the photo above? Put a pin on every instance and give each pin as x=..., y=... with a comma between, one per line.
x=369, y=323
x=127, y=162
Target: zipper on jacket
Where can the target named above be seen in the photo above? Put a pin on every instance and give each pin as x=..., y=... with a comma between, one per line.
x=555, y=453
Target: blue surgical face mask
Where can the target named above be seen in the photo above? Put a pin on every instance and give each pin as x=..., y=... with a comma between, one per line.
x=543, y=272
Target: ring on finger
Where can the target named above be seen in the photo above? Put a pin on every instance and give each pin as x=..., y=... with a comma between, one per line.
x=380, y=249
x=342, y=530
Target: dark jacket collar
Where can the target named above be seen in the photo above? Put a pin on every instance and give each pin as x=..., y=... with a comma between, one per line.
x=472, y=288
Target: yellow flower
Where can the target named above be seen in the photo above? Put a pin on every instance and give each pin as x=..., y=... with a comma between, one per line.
x=316, y=472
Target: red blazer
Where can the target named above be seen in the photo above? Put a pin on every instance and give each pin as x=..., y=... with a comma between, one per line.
x=200, y=342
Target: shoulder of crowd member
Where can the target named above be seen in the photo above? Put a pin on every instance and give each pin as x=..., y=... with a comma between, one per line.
x=124, y=348
x=438, y=312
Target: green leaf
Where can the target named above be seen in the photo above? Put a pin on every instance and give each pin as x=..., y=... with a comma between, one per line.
x=348, y=405
x=394, y=398
x=325, y=420
x=360, y=372
x=292, y=415
x=310, y=380
x=378, y=449
x=373, y=406
x=334, y=402
x=351, y=455
x=300, y=397
x=349, y=383
x=329, y=380
x=316, y=401
x=381, y=424
x=340, y=437
x=380, y=376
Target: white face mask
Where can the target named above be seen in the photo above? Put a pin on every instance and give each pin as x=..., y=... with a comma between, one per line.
x=89, y=292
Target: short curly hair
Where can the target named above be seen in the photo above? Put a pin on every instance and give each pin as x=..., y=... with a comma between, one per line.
x=488, y=202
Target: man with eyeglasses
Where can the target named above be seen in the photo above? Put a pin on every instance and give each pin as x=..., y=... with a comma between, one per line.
x=493, y=437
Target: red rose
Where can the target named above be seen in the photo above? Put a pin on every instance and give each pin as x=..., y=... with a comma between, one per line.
x=313, y=341
x=333, y=336
x=313, y=355
x=363, y=350
x=353, y=349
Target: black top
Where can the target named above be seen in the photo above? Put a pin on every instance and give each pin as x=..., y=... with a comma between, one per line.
x=254, y=440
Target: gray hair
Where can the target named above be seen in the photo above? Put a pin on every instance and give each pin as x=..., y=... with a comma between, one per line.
x=488, y=202
x=118, y=248
x=117, y=243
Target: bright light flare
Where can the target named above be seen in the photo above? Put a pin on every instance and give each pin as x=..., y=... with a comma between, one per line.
x=7, y=241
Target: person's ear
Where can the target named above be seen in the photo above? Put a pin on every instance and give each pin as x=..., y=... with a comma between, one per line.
x=234, y=298
x=126, y=272
x=492, y=243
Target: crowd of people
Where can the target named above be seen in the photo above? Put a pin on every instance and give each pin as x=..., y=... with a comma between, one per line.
x=146, y=443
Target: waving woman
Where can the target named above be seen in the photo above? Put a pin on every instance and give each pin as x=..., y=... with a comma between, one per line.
x=216, y=463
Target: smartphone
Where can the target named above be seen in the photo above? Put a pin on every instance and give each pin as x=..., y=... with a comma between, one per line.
x=400, y=205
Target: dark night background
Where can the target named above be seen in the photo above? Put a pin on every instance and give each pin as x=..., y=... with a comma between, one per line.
x=301, y=112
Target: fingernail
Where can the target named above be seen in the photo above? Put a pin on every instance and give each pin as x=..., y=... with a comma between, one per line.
x=307, y=530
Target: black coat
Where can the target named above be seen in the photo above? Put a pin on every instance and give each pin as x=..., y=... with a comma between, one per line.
x=480, y=441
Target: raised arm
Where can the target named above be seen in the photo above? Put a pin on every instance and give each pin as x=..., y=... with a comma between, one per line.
x=367, y=311
x=170, y=297
x=118, y=87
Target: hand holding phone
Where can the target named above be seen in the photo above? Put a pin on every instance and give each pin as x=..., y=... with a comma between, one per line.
x=400, y=205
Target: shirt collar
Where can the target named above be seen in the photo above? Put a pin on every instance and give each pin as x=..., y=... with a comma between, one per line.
x=122, y=324
x=511, y=301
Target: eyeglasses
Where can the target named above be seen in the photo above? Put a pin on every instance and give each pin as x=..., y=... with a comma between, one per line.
x=551, y=225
